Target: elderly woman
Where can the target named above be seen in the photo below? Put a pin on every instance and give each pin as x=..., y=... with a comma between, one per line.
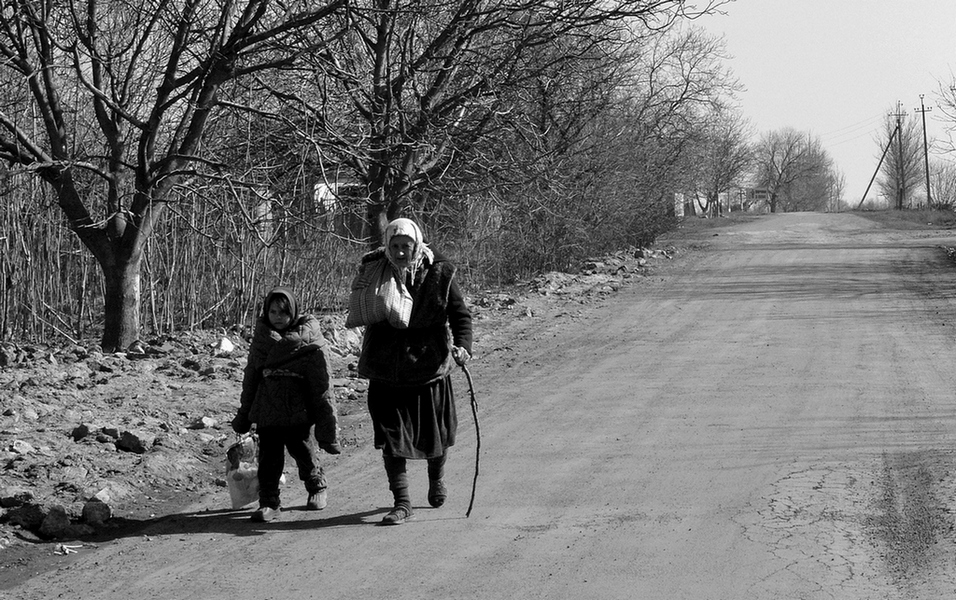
x=408, y=362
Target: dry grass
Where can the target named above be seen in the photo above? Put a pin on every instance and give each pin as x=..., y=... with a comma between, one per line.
x=922, y=218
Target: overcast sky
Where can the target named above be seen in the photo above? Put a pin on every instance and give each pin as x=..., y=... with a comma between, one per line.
x=834, y=68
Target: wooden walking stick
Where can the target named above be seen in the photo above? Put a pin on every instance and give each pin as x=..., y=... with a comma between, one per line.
x=474, y=413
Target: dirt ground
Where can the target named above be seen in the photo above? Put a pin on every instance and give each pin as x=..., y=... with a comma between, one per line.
x=762, y=408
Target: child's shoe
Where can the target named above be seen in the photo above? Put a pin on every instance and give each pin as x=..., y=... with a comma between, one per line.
x=265, y=514
x=318, y=500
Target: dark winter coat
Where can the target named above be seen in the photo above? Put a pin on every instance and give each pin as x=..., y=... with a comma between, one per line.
x=420, y=354
x=286, y=378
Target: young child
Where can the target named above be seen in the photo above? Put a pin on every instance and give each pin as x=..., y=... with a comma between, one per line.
x=285, y=391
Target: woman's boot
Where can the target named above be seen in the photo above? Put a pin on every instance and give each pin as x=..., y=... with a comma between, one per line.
x=436, y=487
x=398, y=483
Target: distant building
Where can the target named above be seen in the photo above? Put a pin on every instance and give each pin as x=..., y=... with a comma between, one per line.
x=758, y=195
x=342, y=205
x=739, y=199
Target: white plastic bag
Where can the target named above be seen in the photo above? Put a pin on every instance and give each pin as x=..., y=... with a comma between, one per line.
x=243, y=484
x=242, y=470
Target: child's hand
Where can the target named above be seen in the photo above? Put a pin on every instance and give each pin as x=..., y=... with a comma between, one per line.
x=460, y=355
x=241, y=424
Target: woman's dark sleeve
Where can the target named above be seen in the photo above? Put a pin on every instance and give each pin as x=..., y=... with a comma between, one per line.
x=459, y=318
x=321, y=401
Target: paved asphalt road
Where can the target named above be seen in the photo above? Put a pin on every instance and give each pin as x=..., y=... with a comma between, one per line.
x=773, y=418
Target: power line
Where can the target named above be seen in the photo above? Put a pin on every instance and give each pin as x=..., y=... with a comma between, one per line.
x=868, y=132
x=855, y=126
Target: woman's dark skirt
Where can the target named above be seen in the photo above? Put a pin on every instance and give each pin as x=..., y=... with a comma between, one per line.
x=413, y=421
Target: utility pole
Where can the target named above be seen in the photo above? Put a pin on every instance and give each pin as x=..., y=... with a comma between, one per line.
x=899, y=158
x=889, y=143
x=922, y=109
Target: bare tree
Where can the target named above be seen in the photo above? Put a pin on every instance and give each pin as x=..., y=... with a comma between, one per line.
x=836, y=188
x=796, y=171
x=107, y=102
x=590, y=158
x=946, y=103
x=817, y=189
x=902, y=169
x=414, y=87
x=722, y=156
x=781, y=161
x=943, y=184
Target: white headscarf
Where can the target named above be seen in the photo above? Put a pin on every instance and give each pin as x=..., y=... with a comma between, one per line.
x=419, y=254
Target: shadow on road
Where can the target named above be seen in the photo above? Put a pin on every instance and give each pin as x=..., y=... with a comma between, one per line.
x=224, y=521
x=228, y=521
x=35, y=556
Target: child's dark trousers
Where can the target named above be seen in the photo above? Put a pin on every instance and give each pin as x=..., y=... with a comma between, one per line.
x=273, y=442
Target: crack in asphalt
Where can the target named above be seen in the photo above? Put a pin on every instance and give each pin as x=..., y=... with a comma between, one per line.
x=815, y=516
x=882, y=525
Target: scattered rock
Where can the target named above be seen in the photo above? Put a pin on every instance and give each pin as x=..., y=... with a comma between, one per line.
x=80, y=431
x=134, y=441
x=102, y=496
x=225, y=347
x=203, y=423
x=74, y=475
x=56, y=523
x=13, y=497
x=96, y=513
x=21, y=447
x=27, y=516
x=168, y=441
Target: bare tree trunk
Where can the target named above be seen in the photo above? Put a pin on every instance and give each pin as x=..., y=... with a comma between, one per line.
x=122, y=295
x=383, y=206
x=378, y=218
x=713, y=204
x=690, y=207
